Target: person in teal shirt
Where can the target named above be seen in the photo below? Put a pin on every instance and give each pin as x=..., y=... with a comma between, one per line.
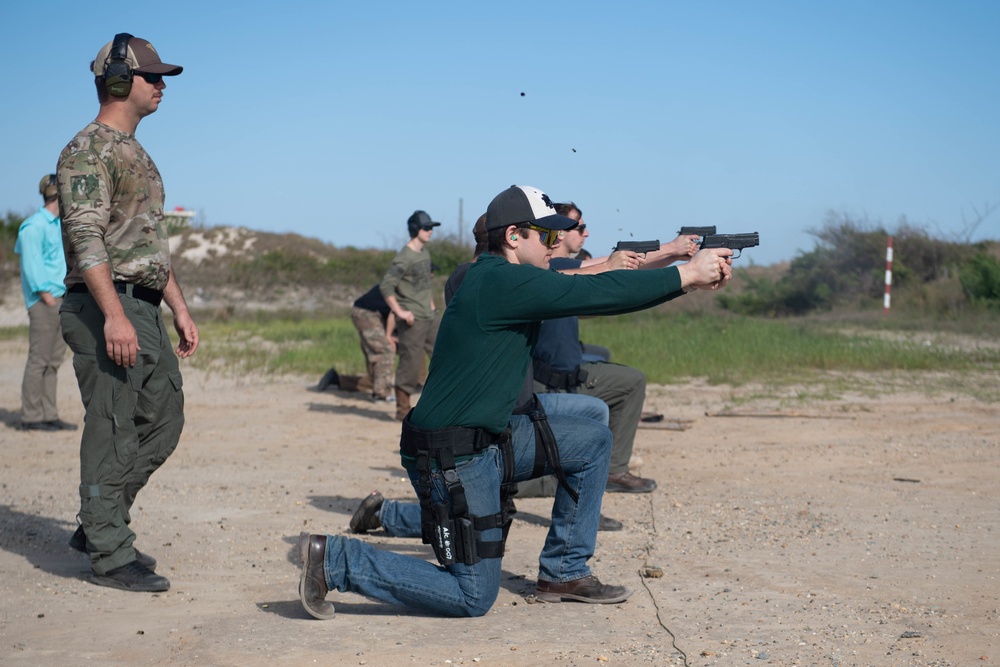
x=43, y=268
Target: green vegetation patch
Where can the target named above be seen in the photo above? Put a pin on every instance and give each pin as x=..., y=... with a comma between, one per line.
x=668, y=347
x=738, y=350
x=280, y=345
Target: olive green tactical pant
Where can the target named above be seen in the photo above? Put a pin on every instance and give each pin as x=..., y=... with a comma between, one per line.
x=623, y=388
x=415, y=341
x=134, y=418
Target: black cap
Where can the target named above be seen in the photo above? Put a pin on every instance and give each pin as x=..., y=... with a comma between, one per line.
x=418, y=220
x=523, y=203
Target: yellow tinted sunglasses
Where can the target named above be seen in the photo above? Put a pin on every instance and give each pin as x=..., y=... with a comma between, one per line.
x=548, y=236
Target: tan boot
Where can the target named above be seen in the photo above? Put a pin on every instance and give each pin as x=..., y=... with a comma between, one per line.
x=402, y=404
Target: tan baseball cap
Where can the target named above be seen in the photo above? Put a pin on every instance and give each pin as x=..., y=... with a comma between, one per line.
x=140, y=56
x=47, y=186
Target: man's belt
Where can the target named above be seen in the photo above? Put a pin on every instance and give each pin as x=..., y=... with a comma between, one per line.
x=146, y=294
x=416, y=441
x=553, y=378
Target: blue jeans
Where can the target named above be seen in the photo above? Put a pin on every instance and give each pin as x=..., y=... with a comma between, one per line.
x=575, y=405
x=402, y=518
x=470, y=590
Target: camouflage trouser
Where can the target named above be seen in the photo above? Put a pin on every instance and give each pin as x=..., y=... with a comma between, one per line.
x=379, y=355
x=134, y=418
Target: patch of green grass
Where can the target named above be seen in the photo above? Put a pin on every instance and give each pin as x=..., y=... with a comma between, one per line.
x=738, y=350
x=13, y=333
x=794, y=361
x=280, y=345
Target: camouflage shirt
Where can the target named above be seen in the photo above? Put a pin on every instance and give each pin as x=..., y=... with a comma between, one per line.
x=111, y=203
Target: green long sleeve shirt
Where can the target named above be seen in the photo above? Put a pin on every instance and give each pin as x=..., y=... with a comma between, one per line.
x=489, y=329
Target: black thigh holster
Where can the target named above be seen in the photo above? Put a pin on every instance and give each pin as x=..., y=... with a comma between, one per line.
x=451, y=530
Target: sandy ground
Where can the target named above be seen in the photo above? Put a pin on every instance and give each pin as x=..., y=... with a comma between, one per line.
x=861, y=530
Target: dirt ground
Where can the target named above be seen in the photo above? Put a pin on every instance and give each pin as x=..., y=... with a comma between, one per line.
x=857, y=530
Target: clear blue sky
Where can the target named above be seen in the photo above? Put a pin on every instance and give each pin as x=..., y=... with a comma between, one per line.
x=337, y=119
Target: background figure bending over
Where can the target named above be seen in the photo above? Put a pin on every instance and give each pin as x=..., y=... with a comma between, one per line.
x=376, y=324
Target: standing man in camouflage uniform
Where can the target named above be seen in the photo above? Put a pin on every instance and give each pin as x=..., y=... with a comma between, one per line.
x=408, y=290
x=115, y=239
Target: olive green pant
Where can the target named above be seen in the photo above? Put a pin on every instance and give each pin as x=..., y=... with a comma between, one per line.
x=134, y=417
x=46, y=352
x=415, y=341
x=623, y=388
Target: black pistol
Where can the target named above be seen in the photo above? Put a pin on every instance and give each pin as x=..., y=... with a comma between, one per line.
x=641, y=247
x=732, y=241
x=697, y=231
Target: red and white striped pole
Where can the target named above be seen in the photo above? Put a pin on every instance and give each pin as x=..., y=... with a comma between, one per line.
x=888, y=274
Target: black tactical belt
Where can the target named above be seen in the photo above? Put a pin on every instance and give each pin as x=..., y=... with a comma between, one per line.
x=553, y=378
x=146, y=294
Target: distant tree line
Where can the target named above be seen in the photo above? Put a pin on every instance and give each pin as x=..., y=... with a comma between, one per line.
x=359, y=267
x=847, y=268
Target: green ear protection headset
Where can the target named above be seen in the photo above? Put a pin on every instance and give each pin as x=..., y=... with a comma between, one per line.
x=117, y=73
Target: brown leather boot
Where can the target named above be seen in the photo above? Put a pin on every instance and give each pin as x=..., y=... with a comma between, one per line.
x=589, y=589
x=402, y=404
x=312, y=583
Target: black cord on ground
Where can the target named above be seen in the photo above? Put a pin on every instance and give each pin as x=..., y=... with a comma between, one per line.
x=642, y=578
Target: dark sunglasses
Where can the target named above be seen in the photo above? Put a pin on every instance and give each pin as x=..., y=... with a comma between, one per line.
x=582, y=227
x=427, y=228
x=151, y=79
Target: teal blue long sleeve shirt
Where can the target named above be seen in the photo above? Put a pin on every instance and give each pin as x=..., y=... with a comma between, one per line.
x=43, y=264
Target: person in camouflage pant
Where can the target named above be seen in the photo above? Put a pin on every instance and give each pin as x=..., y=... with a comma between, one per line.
x=375, y=323
x=114, y=236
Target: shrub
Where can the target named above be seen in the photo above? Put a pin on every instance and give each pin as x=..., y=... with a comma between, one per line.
x=847, y=268
x=9, y=224
x=980, y=279
x=447, y=254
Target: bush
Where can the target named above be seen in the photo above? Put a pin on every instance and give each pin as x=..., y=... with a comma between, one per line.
x=286, y=266
x=980, y=279
x=447, y=253
x=9, y=224
x=847, y=269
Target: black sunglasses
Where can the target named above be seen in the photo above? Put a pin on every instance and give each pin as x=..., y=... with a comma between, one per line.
x=427, y=228
x=151, y=79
